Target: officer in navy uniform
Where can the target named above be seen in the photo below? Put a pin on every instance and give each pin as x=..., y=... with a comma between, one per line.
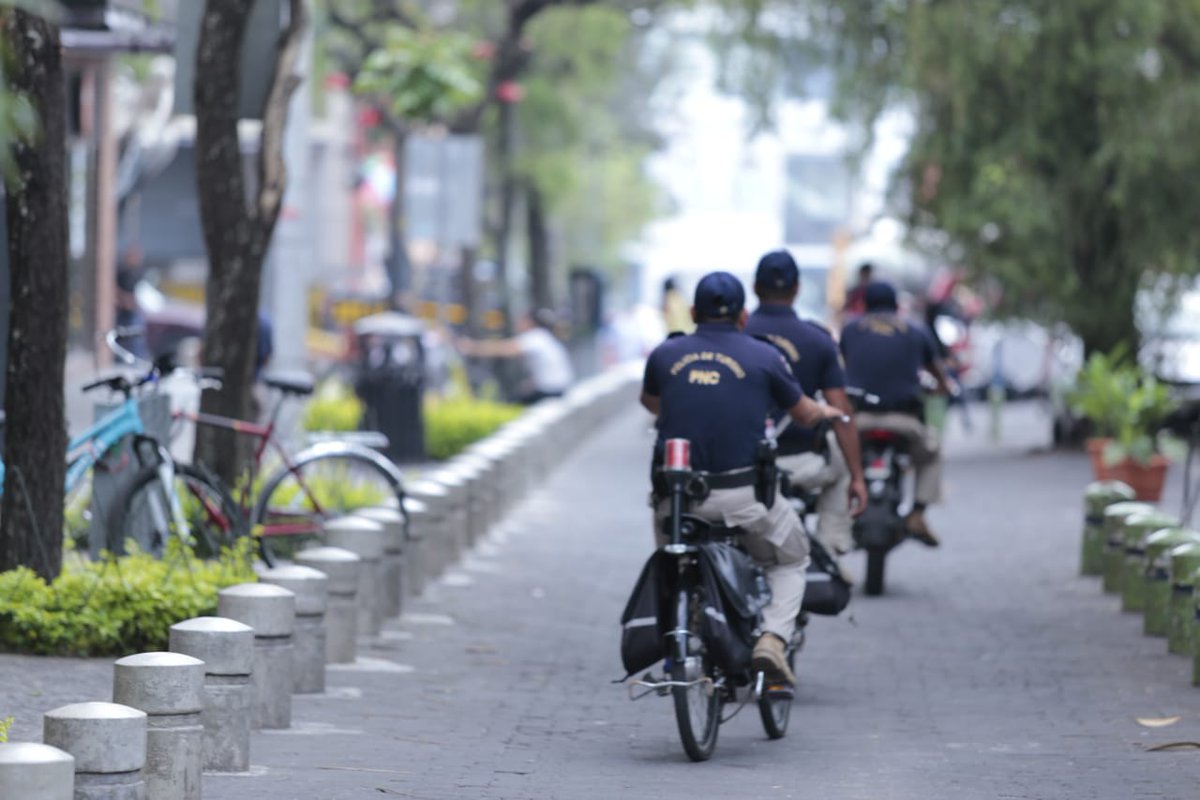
x=884, y=354
x=715, y=388
x=813, y=357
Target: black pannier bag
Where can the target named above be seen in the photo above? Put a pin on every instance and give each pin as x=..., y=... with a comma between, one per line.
x=825, y=590
x=737, y=591
x=643, y=641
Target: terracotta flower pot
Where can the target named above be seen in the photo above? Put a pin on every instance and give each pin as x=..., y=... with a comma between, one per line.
x=1146, y=480
x=1095, y=449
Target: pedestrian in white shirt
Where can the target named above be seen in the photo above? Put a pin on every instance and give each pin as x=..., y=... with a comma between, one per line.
x=548, y=370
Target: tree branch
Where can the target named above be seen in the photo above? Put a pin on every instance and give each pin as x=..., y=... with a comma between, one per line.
x=272, y=171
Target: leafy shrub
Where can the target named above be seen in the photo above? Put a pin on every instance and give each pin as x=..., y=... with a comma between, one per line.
x=452, y=425
x=333, y=407
x=117, y=606
x=5, y=725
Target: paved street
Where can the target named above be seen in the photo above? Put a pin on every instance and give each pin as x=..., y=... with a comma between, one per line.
x=989, y=671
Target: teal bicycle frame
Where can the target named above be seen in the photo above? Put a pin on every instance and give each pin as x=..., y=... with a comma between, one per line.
x=110, y=430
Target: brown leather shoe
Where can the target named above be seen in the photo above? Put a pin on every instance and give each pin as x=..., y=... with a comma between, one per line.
x=770, y=656
x=915, y=524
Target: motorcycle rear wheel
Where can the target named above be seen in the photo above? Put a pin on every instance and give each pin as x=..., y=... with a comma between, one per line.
x=775, y=707
x=875, y=564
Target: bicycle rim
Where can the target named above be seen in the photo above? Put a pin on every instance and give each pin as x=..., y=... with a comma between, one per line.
x=213, y=520
x=291, y=517
x=698, y=707
x=775, y=706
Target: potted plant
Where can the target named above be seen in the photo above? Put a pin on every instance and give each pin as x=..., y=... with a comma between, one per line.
x=1100, y=395
x=1135, y=455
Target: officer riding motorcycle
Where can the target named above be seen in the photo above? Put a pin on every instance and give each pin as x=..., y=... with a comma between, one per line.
x=884, y=354
x=715, y=387
x=812, y=355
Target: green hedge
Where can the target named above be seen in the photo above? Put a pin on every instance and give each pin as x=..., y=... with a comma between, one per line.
x=114, y=607
x=334, y=407
x=452, y=425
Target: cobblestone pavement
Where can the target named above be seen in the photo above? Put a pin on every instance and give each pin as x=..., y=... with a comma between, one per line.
x=990, y=670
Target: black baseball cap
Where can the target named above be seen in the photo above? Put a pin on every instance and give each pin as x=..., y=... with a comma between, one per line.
x=880, y=296
x=719, y=294
x=777, y=270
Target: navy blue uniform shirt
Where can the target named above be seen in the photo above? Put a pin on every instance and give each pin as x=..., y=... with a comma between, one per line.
x=716, y=387
x=884, y=354
x=810, y=352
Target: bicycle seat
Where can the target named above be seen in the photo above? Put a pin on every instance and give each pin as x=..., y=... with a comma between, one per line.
x=295, y=382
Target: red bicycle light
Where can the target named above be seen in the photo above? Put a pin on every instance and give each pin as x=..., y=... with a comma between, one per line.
x=678, y=455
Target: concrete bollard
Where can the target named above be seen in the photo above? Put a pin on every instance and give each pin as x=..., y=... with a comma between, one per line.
x=341, y=603
x=367, y=540
x=226, y=647
x=271, y=612
x=169, y=687
x=1096, y=498
x=394, y=553
x=36, y=771
x=457, y=518
x=1114, y=541
x=434, y=548
x=1135, y=530
x=108, y=743
x=1158, y=576
x=414, y=558
x=311, y=589
x=1185, y=561
x=484, y=493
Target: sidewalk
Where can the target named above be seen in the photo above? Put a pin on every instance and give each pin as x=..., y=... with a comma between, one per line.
x=989, y=670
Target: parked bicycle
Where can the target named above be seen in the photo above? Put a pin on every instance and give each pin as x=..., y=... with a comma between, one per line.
x=284, y=497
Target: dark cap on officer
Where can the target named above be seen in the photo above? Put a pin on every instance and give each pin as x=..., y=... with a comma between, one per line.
x=880, y=296
x=777, y=272
x=719, y=295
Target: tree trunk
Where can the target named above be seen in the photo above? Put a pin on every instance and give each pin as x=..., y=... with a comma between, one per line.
x=541, y=290
x=508, y=199
x=237, y=227
x=36, y=213
x=399, y=265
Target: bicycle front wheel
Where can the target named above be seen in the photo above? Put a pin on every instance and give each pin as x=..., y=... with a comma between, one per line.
x=698, y=703
x=144, y=513
x=775, y=705
x=296, y=500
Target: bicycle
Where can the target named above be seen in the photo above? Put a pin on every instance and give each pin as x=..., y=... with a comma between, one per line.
x=157, y=470
x=286, y=509
x=699, y=673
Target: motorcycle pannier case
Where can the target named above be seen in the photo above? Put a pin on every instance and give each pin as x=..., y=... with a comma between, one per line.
x=825, y=591
x=643, y=642
x=737, y=591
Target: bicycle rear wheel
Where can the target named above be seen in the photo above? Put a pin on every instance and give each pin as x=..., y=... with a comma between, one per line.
x=775, y=705
x=143, y=514
x=296, y=501
x=697, y=706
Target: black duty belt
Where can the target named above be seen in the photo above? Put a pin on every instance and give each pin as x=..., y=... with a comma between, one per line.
x=734, y=479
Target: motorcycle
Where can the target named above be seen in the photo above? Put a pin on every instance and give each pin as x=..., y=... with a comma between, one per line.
x=880, y=527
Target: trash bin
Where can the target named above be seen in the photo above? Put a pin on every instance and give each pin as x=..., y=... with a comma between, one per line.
x=1185, y=561
x=1136, y=528
x=1158, y=576
x=1096, y=498
x=391, y=381
x=1114, y=540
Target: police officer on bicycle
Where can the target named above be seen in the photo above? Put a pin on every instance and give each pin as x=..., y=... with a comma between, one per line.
x=715, y=387
x=813, y=357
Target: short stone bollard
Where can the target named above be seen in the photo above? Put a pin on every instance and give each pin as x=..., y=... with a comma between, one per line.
x=311, y=589
x=367, y=540
x=36, y=771
x=457, y=518
x=108, y=742
x=341, y=603
x=1158, y=577
x=1185, y=561
x=1135, y=530
x=169, y=687
x=419, y=522
x=1097, y=497
x=434, y=549
x=271, y=612
x=394, y=553
x=1114, y=541
x=226, y=647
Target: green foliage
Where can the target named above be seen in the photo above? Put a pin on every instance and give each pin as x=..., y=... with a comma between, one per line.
x=452, y=425
x=1051, y=139
x=1123, y=404
x=5, y=725
x=116, y=606
x=421, y=76
x=333, y=407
